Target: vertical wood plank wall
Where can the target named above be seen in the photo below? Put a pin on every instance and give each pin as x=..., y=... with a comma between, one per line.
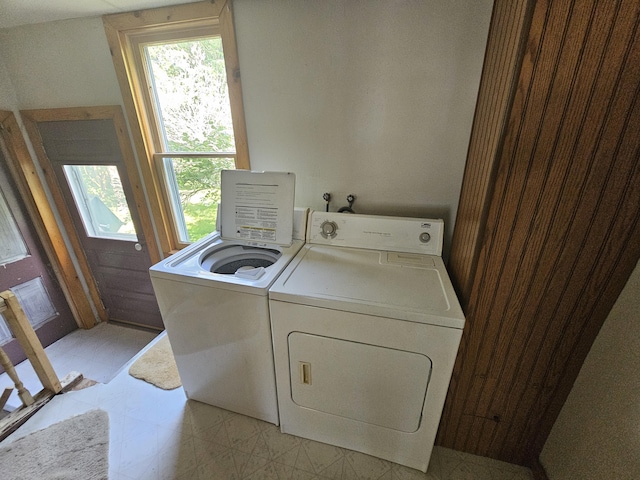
x=497, y=86
x=562, y=227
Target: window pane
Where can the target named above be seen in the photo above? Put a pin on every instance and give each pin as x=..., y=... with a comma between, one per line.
x=195, y=200
x=189, y=84
x=12, y=246
x=100, y=200
x=34, y=300
x=5, y=332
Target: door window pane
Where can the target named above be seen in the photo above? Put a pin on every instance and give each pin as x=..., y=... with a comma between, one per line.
x=99, y=197
x=12, y=246
x=5, y=333
x=34, y=300
x=194, y=186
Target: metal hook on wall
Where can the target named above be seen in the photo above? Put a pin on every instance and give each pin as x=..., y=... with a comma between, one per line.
x=350, y=199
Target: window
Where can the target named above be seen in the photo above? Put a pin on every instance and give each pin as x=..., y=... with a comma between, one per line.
x=99, y=197
x=184, y=101
x=12, y=246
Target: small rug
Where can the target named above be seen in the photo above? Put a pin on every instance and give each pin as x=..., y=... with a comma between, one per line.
x=157, y=366
x=74, y=449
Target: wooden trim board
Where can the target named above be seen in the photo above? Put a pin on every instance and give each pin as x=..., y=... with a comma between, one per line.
x=121, y=31
x=26, y=336
x=30, y=119
x=23, y=170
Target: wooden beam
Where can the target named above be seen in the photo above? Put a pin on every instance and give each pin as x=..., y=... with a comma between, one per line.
x=54, y=230
x=232, y=65
x=164, y=15
x=18, y=417
x=23, y=171
x=26, y=336
x=142, y=143
x=5, y=397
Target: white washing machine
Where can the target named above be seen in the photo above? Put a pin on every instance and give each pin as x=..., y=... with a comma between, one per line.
x=366, y=328
x=213, y=295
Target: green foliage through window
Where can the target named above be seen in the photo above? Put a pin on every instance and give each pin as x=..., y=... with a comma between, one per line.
x=189, y=84
x=199, y=190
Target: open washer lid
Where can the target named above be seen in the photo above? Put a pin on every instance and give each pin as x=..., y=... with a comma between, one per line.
x=257, y=206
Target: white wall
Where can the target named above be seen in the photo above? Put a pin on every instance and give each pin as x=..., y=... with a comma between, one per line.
x=597, y=434
x=374, y=98
x=8, y=100
x=366, y=97
x=60, y=64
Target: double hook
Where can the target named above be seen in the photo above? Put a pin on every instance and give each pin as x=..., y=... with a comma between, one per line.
x=347, y=209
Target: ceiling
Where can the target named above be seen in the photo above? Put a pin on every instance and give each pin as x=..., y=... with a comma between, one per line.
x=14, y=13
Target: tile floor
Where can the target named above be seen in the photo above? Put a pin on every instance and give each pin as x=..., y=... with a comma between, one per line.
x=157, y=434
x=98, y=354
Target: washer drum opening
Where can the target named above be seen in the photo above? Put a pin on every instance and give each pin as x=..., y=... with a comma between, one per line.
x=231, y=259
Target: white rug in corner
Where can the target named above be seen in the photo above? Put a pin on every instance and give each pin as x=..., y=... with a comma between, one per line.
x=157, y=366
x=74, y=449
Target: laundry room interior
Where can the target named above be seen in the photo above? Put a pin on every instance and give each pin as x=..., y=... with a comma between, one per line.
x=499, y=137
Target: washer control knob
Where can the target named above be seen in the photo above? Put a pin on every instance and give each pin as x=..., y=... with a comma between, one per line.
x=425, y=237
x=328, y=229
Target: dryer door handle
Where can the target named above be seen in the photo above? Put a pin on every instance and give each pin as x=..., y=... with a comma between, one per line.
x=305, y=373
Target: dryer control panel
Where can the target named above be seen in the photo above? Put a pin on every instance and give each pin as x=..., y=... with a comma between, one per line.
x=398, y=234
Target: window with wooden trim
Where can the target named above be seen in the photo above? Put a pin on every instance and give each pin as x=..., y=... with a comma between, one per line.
x=178, y=71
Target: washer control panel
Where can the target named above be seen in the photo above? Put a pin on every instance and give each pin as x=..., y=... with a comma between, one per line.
x=399, y=234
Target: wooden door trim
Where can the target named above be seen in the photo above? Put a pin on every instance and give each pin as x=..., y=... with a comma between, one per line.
x=30, y=119
x=118, y=29
x=23, y=170
x=114, y=113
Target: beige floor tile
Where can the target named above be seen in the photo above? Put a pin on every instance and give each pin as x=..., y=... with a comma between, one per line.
x=367, y=467
x=160, y=435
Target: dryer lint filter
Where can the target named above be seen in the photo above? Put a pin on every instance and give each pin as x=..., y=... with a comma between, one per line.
x=257, y=206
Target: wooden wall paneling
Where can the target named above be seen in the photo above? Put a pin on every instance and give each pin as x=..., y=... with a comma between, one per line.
x=574, y=342
x=503, y=54
x=544, y=182
x=30, y=187
x=473, y=218
x=610, y=249
x=560, y=237
x=582, y=217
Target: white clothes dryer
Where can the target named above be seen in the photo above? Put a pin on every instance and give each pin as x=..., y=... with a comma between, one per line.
x=366, y=328
x=213, y=295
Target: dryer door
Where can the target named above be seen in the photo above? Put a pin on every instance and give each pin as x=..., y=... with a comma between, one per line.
x=367, y=383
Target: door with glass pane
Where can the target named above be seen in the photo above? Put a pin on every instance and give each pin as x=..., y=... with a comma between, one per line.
x=89, y=168
x=25, y=270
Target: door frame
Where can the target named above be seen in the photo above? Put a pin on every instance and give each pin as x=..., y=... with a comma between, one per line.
x=23, y=170
x=114, y=113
